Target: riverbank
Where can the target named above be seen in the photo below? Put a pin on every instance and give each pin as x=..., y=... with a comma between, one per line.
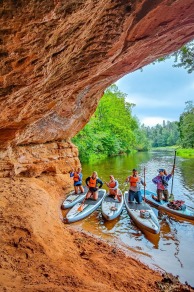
x=40, y=253
x=185, y=153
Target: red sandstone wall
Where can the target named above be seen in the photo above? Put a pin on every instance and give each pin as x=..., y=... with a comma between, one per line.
x=57, y=57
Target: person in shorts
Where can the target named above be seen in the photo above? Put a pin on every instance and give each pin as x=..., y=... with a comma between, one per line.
x=94, y=184
x=77, y=180
x=113, y=186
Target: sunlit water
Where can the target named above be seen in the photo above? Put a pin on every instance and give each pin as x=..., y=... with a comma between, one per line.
x=173, y=249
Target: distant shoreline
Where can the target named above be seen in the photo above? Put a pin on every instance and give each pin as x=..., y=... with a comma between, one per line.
x=183, y=152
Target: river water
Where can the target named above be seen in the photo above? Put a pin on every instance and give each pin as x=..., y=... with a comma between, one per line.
x=172, y=250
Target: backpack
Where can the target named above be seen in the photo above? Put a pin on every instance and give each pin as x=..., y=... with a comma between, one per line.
x=177, y=205
x=145, y=214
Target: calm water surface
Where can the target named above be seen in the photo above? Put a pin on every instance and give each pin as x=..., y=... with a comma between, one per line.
x=173, y=249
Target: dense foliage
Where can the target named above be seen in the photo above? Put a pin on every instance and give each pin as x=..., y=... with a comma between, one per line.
x=186, y=126
x=112, y=130
x=163, y=135
x=174, y=133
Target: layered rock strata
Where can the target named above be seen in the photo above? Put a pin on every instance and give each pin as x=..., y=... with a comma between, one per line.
x=33, y=160
x=57, y=58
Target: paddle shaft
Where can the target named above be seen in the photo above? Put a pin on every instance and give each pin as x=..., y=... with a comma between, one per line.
x=80, y=208
x=82, y=204
x=144, y=183
x=173, y=173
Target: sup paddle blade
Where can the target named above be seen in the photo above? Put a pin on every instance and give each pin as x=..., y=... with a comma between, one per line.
x=81, y=207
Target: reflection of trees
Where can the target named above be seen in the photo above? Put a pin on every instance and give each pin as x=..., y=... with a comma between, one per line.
x=187, y=171
x=169, y=232
x=176, y=241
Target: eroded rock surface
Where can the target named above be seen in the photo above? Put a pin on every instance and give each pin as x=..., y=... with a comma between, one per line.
x=53, y=158
x=57, y=57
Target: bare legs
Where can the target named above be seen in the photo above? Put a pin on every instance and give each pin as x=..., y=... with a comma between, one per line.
x=77, y=188
x=116, y=193
x=92, y=194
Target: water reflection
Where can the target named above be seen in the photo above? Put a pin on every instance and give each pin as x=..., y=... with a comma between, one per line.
x=171, y=249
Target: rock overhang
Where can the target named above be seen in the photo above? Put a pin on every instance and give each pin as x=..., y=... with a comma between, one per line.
x=58, y=57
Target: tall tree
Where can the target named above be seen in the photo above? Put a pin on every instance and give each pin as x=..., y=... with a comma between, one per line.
x=163, y=135
x=186, y=125
x=112, y=129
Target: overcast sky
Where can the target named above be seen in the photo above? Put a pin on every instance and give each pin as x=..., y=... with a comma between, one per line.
x=159, y=92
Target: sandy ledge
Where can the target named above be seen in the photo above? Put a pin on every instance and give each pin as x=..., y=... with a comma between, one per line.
x=41, y=253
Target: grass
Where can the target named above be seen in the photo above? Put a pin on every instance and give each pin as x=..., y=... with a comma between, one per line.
x=166, y=148
x=186, y=153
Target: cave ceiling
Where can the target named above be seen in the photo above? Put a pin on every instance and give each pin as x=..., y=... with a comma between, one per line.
x=58, y=57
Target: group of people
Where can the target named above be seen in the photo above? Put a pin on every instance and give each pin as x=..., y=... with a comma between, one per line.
x=94, y=183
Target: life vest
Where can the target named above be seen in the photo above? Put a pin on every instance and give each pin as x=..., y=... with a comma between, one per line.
x=133, y=181
x=92, y=182
x=112, y=184
x=76, y=177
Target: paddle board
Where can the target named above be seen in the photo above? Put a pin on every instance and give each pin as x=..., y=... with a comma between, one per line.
x=134, y=210
x=111, y=208
x=188, y=213
x=89, y=206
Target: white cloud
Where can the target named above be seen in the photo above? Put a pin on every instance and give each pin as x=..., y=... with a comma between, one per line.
x=150, y=101
x=159, y=92
x=153, y=121
x=174, y=98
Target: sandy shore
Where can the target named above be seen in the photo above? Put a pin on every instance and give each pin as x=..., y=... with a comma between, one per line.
x=41, y=253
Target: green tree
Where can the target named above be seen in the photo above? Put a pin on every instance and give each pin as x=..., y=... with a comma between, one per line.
x=186, y=126
x=184, y=57
x=112, y=130
x=163, y=135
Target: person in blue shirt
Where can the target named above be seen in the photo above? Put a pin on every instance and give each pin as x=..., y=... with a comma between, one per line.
x=161, y=180
x=77, y=178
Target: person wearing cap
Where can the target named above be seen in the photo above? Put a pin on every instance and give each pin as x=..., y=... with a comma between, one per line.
x=161, y=180
x=113, y=186
x=135, y=182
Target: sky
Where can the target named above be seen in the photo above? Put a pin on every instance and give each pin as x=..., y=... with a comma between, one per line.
x=159, y=92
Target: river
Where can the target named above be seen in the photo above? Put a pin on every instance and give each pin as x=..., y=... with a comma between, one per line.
x=172, y=250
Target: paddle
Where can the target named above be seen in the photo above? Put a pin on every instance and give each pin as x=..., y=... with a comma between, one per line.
x=81, y=207
x=144, y=182
x=171, y=194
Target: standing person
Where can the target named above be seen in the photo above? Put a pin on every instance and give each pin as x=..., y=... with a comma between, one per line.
x=92, y=183
x=113, y=188
x=135, y=182
x=161, y=180
x=77, y=178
